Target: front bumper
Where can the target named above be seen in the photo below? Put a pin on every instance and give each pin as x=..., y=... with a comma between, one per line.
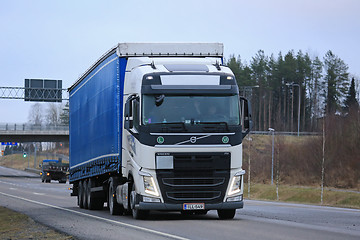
x=179, y=207
x=53, y=175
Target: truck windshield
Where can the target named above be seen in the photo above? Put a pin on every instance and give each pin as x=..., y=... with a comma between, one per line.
x=190, y=109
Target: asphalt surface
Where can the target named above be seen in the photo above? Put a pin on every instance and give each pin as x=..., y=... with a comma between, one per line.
x=51, y=204
x=9, y=172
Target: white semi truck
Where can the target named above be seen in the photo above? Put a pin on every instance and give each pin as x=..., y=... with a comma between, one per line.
x=158, y=126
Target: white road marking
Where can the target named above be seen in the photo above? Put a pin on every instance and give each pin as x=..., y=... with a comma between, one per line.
x=38, y=193
x=100, y=218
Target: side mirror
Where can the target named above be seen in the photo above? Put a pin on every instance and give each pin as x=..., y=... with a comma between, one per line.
x=246, y=119
x=159, y=99
x=128, y=113
x=128, y=124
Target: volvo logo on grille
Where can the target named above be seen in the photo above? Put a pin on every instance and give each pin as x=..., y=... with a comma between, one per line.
x=193, y=139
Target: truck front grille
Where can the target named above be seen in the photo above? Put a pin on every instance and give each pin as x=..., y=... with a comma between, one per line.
x=196, y=177
x=194, y=196
x=199, y=182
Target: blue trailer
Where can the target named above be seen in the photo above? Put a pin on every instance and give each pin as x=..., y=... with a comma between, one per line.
x=142, y=138
x=95, y=119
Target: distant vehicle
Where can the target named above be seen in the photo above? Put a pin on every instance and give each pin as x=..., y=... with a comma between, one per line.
x=54, y=170
x=158, y=126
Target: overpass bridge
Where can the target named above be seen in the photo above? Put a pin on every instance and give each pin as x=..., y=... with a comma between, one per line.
x=12, y=132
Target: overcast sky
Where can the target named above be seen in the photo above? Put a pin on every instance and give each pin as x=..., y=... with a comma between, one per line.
x=61, y=39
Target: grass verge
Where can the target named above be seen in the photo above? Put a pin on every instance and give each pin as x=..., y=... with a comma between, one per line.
x=306, y=195
x=14, y=225
x=17, y=161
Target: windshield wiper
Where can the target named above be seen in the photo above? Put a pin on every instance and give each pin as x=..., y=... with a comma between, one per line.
x=168, y=126
x=217, y=123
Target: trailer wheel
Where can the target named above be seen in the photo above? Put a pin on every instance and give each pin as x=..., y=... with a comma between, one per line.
x=84, y=195
x=80, y=195
x=226, y=213
x=114, y=207
x=136, y=213
x=93, y=203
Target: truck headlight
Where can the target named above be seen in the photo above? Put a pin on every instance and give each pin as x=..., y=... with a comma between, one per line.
x=149, y=184
x=235, y=186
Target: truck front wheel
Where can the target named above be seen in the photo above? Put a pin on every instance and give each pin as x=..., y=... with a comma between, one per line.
x=226, y=213
x=136, y=213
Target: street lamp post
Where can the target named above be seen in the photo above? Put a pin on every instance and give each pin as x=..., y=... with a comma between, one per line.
x=297, y=85
x=272, y=156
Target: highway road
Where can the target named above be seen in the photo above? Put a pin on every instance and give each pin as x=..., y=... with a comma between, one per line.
x=51, y=204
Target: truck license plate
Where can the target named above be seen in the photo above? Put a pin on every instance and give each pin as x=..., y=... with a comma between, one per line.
x=193, y=206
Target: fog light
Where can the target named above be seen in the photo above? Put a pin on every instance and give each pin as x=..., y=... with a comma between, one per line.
x=151, y=200
x=235, y=199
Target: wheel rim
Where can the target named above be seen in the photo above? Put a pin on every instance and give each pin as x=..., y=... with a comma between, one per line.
x=110, y=199
x=88, y=192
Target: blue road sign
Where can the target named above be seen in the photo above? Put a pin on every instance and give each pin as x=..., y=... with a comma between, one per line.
x=9, y=143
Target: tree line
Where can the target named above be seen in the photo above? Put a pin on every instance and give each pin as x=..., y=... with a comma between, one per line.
x=280, y=89
x=295, y=88
x=54, y=114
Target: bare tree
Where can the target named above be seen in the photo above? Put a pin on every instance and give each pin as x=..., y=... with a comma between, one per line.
x=53, y=114
x=36, y=114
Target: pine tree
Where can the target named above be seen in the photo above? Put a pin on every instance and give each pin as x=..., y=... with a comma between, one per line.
x=64, y=115
x=241, y=71
x=351, y=104
x=259, y=68
x=336, y=80
x=315, y=89
x=235, y=65
x=290, y=76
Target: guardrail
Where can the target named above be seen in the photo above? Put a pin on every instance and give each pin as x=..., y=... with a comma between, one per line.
x=286, y=133
x=32, y=127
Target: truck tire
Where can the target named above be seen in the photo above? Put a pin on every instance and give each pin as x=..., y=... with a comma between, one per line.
x=226, y=213
x=84, y=194
x=80, y=195
x=114, y=207
x=93, y=203
x=136, y=213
